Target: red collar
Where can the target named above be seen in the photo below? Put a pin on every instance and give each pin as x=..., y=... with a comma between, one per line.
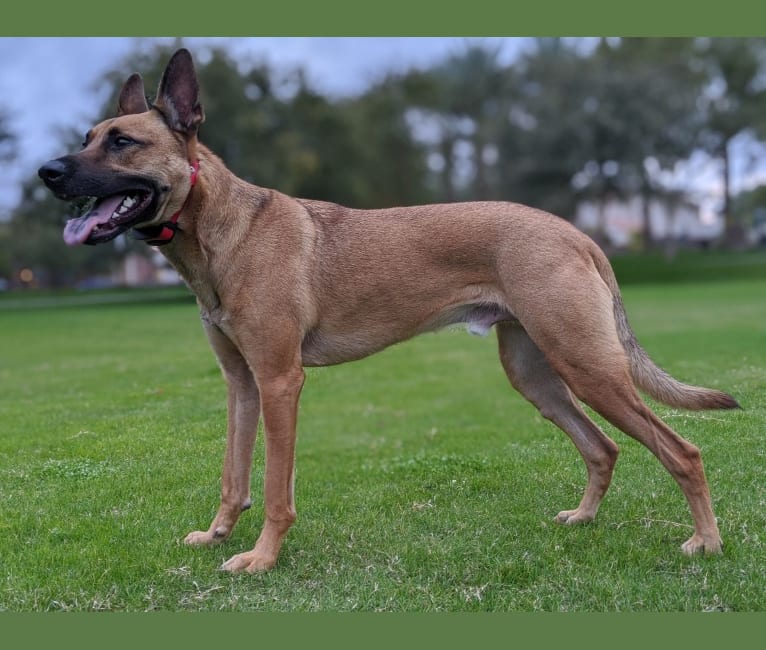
x=164, y=232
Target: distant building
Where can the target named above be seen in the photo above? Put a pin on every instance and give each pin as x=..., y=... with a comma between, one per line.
x=621, y=222
x=140, y=270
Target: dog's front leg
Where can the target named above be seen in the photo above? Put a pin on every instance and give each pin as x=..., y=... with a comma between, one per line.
x=280, y=379
x=243, y=415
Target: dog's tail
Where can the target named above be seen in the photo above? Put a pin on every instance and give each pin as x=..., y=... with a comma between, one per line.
x=647, y=375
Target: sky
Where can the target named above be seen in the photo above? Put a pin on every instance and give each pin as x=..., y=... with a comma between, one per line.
x=48, y=84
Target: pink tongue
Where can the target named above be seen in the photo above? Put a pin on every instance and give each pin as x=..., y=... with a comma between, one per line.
x=77, y=230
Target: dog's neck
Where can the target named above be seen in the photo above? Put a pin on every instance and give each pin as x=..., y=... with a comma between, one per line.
x=203, y=227
x=163, y=233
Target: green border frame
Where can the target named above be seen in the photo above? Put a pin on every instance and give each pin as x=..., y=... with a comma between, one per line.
x=391, y=18
x=371, y=631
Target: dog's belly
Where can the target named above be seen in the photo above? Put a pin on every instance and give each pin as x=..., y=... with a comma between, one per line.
x=331, y=345
x=322, y=348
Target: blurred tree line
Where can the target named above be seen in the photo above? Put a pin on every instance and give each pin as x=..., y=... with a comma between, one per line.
x=561, y=124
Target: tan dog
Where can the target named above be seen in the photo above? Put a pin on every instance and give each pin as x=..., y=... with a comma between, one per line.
x=284, y=283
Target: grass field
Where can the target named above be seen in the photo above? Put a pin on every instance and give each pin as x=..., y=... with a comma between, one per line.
x=424, y=481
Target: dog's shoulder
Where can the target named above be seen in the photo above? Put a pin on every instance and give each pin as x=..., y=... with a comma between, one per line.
x=324, y=212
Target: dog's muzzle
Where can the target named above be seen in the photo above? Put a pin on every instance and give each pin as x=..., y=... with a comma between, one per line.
x=111, y=202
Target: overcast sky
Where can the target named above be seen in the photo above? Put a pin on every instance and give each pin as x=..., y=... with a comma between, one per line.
x=46, y=84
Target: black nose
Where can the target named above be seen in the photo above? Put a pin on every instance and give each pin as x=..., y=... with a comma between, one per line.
x=53, y=171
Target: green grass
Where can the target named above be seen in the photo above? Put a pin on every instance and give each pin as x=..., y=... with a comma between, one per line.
x=690, y=266
x=424, y=481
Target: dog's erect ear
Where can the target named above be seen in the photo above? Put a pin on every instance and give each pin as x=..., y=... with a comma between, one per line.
x=132, y=98
x=178, y=94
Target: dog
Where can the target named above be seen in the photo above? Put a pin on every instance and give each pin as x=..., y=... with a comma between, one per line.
x=285, y=283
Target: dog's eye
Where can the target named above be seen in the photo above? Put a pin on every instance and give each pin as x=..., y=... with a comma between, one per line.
x=122, y=141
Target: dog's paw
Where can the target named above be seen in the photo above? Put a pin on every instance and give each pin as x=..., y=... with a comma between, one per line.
x=251, y=562
x=206, y=537
x=698, y=544
x=571, y=517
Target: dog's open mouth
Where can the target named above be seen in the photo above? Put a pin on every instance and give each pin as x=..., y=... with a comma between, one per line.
x=105, y=218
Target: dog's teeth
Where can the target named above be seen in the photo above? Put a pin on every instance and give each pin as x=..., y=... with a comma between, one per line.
x=127, y=203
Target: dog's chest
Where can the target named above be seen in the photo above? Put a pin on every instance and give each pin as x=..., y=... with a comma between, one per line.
x=201, y=282
x=218, y=317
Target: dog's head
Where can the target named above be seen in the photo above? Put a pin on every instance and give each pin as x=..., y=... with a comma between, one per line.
x=134, y=168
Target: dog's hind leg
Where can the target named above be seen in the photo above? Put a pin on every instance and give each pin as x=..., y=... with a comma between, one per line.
x=531, y=374
x=581, y=344
x=618, y=402
x=243, y=415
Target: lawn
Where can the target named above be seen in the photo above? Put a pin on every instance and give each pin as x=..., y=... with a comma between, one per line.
x=424, y=481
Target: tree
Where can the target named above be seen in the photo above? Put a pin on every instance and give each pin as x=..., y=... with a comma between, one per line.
x=7, y=139
x=643, y=95
x=598, y=123
x=733, y=104
x=461, y=102
x=273, y=129
x=270, y=127
x=7, y=153
x=542, y=144
x=388, y=166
